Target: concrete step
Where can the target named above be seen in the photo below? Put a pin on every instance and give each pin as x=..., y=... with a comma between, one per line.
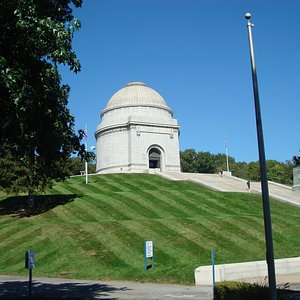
x=227, y=183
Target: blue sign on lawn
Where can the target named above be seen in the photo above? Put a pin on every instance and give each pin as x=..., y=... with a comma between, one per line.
x=29, y=259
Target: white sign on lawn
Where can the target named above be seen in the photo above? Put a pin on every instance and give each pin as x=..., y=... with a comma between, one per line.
x=149, y=249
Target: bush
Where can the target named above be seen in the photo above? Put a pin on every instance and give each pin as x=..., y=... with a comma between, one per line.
x=228, y=290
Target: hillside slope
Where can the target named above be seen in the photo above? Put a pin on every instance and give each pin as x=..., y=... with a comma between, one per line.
x=97, y=230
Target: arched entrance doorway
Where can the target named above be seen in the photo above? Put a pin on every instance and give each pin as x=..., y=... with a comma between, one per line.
x=154, y=158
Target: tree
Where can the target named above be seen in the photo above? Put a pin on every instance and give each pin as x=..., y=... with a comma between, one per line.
x=279, y=172
x=239, y=169
x=203, y=162
x=188, y=159
x=37, y=129
x=76, y=165
x=254, y=171
x=206, y=163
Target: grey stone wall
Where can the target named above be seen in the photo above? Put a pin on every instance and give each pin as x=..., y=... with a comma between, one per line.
x=296, y=177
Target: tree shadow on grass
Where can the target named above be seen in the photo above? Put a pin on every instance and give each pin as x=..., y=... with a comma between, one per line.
x=66, y=290
x=17, y=205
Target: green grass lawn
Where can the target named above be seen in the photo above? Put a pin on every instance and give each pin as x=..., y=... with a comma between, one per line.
x=97, y=230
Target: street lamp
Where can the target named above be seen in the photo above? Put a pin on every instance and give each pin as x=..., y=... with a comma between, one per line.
x=86, y=163
x=263, y=171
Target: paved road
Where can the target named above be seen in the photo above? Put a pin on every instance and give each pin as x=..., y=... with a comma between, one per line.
x=12, y=286
x=15, y=286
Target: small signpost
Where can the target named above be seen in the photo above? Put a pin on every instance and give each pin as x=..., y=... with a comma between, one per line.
x=148, y=254
x=30, y=264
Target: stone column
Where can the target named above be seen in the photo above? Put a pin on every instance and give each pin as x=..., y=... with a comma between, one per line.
x=296, y=177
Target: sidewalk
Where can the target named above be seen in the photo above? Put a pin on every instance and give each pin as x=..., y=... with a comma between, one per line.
x=13, y=286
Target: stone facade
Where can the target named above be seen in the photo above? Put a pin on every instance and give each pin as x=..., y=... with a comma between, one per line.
x=296, y=179
x=137, y=132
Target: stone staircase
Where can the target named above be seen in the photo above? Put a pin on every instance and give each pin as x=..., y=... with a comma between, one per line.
x=227, y=183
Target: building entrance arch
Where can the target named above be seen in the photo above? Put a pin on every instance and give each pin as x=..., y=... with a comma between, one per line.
x=154, y=158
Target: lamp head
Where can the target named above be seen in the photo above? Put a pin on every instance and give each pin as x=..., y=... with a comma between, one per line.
x=248, y=16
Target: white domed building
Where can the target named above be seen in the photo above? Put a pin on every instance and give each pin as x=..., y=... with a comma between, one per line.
x=137, y=132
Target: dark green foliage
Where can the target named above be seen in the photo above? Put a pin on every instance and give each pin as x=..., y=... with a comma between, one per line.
x=76, y=165
x=240, y=291
x=205, y=162
x=247, y=291
x=37, y=130
x=188, y=160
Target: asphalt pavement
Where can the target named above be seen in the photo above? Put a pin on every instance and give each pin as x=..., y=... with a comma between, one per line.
x=14, y=287
x=17, y=287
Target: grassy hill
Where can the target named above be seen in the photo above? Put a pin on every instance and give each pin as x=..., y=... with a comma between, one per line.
x=97, y=230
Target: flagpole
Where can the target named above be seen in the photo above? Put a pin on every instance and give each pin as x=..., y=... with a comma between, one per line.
x=263, y=171
x=86, y=149
x=226, y=149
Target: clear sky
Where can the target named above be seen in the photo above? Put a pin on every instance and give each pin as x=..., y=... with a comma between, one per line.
x=195, y=53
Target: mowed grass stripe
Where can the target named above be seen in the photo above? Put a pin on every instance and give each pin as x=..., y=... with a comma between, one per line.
x=290, y=220
x=197, y=203
x=193, y=205
x=114, y=257
x=175, y=203
x=191, y=229
x=168, y=252
x=285, y=234
x=96, y=231
x=241, y=238
x=65, y=247
x=87, y=188
x=199, y=200
x=60, y=215
x=106, y=184
x=220, y=207
x=132, y=183
x=74, y=214
x=106, y=208
x=68, y=189
x=133, y=207
x=149, y=204
x=103, y=208
x=187, y=245
x=155, y=198
x=129, y=206
x=190, y=207
x=14, y=261
x=249, y=227
x=243, y=205
x=95, y=249
x=157, y=229
x=19, y=236
x=130, y=249
x=26, y=239
x=124, y=185
x=94, y=188
x=226, y=242
x=8, y=231
x=86, y=209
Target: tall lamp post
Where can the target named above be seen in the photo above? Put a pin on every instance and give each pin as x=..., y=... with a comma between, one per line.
x=263, y=171
x=226, y=150
x=86, y=164
x=87, y=154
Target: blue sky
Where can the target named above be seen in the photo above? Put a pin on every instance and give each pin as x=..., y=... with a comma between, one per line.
x=195, y=53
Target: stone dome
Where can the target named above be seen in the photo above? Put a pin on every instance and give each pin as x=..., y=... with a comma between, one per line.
x=136, y=94
x=137, y=132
